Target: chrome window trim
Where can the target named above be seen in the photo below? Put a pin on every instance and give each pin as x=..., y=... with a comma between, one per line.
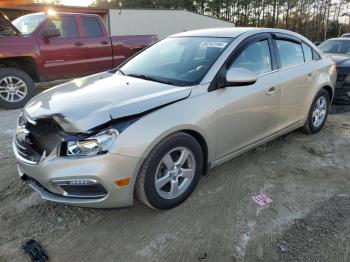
x=267, y=73
x=288, y=67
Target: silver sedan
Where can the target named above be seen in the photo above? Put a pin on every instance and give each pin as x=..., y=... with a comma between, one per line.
x=163, y=118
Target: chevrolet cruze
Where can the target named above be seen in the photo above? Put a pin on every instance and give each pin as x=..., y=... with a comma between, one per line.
x=153, y=125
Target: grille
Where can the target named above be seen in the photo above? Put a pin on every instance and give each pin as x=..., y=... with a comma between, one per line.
x=32, y=142
x=23, y=146
x=342, y=73
x=25, y=151
x=340, y=77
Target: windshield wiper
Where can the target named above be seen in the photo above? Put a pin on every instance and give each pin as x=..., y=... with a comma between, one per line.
x=150, y=78
x=118, y=69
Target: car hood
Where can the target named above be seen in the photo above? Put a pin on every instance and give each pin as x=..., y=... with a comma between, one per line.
x=85, y=103
x=341, y=60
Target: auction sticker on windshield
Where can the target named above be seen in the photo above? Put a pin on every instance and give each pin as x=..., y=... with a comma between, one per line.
x=218, y=44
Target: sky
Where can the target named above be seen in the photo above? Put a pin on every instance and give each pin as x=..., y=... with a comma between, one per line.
x=77, y=2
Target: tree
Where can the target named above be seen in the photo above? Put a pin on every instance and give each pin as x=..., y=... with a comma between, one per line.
x=313, y=18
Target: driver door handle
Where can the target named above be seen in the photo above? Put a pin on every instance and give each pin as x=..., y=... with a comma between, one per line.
x=310, y=75
x=272, y=90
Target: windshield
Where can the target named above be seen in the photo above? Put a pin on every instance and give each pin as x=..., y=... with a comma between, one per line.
x=28, y=23
x=177, y=60
x=335, y=47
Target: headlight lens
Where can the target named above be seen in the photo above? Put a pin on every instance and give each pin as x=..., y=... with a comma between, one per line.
x=97, y=144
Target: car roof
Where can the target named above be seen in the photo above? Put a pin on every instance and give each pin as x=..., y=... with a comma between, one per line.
x=233, y=32
x=217, y=32
x=339, y=39
x=58, y=13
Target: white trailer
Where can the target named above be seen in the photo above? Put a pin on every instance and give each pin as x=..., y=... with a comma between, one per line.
x=159, y=22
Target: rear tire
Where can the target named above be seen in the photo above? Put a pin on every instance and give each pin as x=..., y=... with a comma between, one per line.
x=171, y=172
x=16, y=88
x=318, y=113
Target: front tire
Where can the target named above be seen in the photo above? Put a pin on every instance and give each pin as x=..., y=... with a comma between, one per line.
x=16, y=88
x=318, y=113
x=171, y=172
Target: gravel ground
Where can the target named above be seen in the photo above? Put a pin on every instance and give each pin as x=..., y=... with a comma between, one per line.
x=309, y=219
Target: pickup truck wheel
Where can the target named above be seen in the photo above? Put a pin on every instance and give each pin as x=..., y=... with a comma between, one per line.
x=16, y=88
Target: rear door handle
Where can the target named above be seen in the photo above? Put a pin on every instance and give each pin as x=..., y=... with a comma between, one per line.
x=104, y=42
x=78, y=44
x=273, y=90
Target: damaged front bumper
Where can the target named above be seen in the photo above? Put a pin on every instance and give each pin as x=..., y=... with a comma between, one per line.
x=100, y=173
x=342, y=88
x=342, y=96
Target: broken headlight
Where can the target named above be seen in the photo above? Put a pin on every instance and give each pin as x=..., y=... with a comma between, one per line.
x=94, y=145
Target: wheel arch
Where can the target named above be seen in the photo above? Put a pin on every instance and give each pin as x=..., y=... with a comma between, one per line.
x=329, y=91
x=200, y=138
x=23, y=63
x=203, y=143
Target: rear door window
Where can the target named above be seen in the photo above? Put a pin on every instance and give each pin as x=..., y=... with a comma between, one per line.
x=290, y=53
x=91, y=26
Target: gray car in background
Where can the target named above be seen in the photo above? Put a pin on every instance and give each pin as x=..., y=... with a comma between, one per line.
x=182, y=106
x=339, y=50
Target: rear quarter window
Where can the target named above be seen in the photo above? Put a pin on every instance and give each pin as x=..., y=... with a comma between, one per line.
x=315, y=55
x=307, y=52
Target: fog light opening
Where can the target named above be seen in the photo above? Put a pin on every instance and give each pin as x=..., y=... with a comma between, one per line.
x=81, y=188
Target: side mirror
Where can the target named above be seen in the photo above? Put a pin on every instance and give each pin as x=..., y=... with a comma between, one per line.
x=240, y=76
x=51, y=32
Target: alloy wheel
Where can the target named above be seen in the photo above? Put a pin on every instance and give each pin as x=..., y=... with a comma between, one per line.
x=175, y=172
x=12, y=89
x=320, y=111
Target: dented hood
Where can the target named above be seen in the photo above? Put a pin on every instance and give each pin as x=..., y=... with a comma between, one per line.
x=85, y=103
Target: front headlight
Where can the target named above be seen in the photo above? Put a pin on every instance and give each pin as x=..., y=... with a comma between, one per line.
x=95, y=145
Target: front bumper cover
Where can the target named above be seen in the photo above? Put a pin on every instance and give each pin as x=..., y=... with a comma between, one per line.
x=106, y=169
x=342, y=88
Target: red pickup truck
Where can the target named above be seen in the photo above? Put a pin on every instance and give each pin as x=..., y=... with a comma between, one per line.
x=48, y=46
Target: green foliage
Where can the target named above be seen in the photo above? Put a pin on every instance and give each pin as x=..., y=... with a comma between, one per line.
x=316, y=19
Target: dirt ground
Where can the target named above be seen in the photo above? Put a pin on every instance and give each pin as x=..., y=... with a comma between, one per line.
x=308, y=178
